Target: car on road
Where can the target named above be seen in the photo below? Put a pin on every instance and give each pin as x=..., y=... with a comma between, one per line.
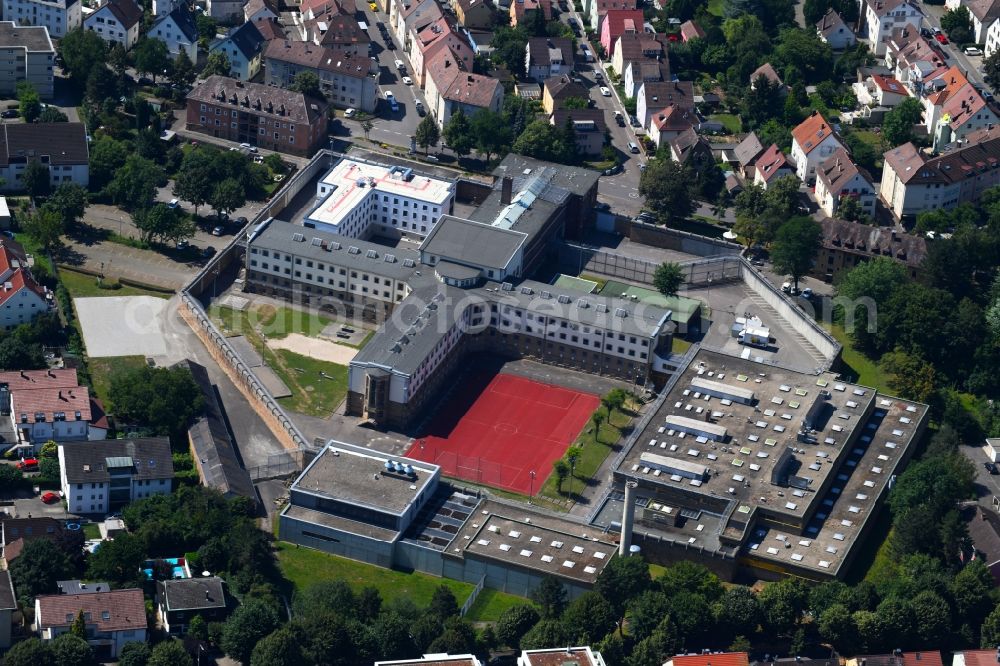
x=407, y=80
x=924, y=32
x=400, y=65
x=620, y=120
x=50, y=497
x=646, y=216
x=633, y=148
x=182, y=244
x=389, y=97
x=174, y=203
x=807, y=293
x=972, y=51
x=612, y=170
x=27, y=465
x=208, y=252
x=605, y=92
x=247, y=146
x=241, y=221
x=217, y=231
x=350, y=113
x=598, y=76
x=10, y=113
x=990, y=467
x=419, y=106
x=634, y=121
x=941, y=39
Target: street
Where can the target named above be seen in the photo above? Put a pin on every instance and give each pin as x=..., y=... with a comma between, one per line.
x=971, y=66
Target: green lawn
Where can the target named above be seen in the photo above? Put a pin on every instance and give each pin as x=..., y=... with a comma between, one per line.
x=102, y=370
x=81, y=285
x=680, y=345
x=91, y=531
x=730, y=121
x=317, y=386
x=655, y=571
x=856, y=364
x=715, y=8
x=32, y=247
x=279, y=322
x=305, y=566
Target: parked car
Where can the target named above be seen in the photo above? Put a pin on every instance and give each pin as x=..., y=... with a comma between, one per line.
x=217, y=231
x=241, y=221
x=10, y=113
x=620, y=120
x=27, y=465
x=419, y=106
x=50, y=497
x=407, y=80
x=941, y=38
x=350, y=113
x=208, y=252
x=373, y=6
x=247, y=146
x=807, y=293
x=990, y=467
x=605, y=92
x=174, y=203
x=972, y=51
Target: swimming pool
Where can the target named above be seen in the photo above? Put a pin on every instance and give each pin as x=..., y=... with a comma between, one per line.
x=179, y=570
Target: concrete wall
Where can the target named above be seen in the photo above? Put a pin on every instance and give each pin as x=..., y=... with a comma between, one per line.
x=337, y=542
x=672, y=239
x=664, y=551
x=471, y=192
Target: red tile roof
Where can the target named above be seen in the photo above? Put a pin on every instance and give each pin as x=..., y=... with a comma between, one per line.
x=620, y=21
x=771, y=163
x=889, y=84
x=716, y=659
x=117, y=610
x=61, y=378
x=48, y=401
x=811, y=132
x=691, y=30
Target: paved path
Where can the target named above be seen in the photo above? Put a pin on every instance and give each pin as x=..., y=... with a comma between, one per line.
x=321, y=350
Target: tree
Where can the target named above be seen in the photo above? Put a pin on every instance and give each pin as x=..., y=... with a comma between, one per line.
x=164, y=223
x=795, y=245
x=135, y=653
x=646, y=612
x=30, y=652
x=51, y=114
x=134, y=184
x=307, y=83
x=838, y=628
x=540, y=140
x=82, y=52
x=227, y=196
x=36, y=179
x=991, y=69
x=101, y=84
x=118, y=59
x=72, y=650
x=165, y=399
x=588, y=619
x=597, y=418
x=668, y=278
x=738, y=611
x=427, y=133
x=195, y=180
x=573, y=454
x=509, y=45
x=29, y=103
x=990, y=630
x=207, y=26
x=762, y=101
x=622, y=580
x=908, y=375
x=933, y=617
x=550, y=595
x=897, y=126
x=279, y=648
x=46, y=227
x=666, y=186
x=170, y=652
x=782, y=604
x=70, y=200
x=850, y=209
x=561, y=470
x=245, y=627
x=118, y=561
x=957, y=24
x=801, y=51
x=40, y=566
x=107, y=155
x=458, y=133
x=367, y=126
x=490, y=132
x=514, y=623
x=458, y=636
x=218, y=63
x=152, y=57
x=182, y=73
x=443, y=604
x=79, y=626
x=545, y=634
x=870, y=285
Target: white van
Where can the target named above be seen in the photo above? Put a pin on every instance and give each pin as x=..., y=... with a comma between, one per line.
x=972, y=51
x=633, y=148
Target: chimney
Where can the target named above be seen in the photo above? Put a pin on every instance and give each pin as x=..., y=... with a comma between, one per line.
x=628, y=514
x=506, y=187
x=51, y=374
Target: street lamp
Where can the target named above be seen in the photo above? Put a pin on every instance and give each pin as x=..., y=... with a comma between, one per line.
x=531, y=487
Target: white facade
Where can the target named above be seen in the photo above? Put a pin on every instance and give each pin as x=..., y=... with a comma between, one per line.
x=806, y=163
x=167, y=31
x=95, y=497
x=240, y=66
x=225, y=11
x=58, y=17
x=58, y=174
x=110, y=29
x=26, y=55
x=880, y=22
x=912, y=199
x=19, y=307
x=856, y=187
x=112, y=640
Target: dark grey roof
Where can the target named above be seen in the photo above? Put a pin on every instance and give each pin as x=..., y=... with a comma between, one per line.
x=335, y=249
x=213, y=447
x=260, y=100
x=749, y=149
x=192, y=593
x=79, y=587
x=62, y=143
x=247, y=39
x=472, y=243
x=185, y=21
x=32, y=38
x=87, y=463
x=127, y=12
x=8, y=600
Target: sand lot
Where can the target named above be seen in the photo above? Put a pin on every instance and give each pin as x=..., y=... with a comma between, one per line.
x=321, y=350
x=122, y=325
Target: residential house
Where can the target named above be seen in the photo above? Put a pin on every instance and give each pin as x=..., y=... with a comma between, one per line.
x=58, y=414
x=881, y=17
x=519, y=10
x=18, y=532
x=638, y=72
x=974, y=657
x=340, y=32
x=475, y=14
x=466, y=91
x=260, y=10
x=813, y=141
x=56, y=16
x=984, y=13
x=689, y=145
x=557, y=89
x=567, y=656
x=412, y=14
x=178, y=31
x=436, y=659
x=832, y=30
x=434, y=40
x=599, y=8
x=898, y=658
x=546, y=57
x=618, y=22
x=984, y=533
x=243, y=46
x=261, y=115
x=691, y=30
x=104, y=476
x=655, y=95
x=746, y=153
x=710, y=659
x=21, y=297
x=670, y=122
x=840, y=177
x=346, y=81
x=116, y=22
x=589, y=126
x=844, y=245
x=180, y=601
x=912, y=59
x=638, y=46
x=112, y=618
x=992, y=39
x=270, y=29
x=954, y=109
x=226, y=12
x=878, y=90
x=31, y=379
x=30, y=56
x=8, y=606
x=913, y=182
x=768, y=71
x=771, y=166
x=79, y=587
x=60, y=146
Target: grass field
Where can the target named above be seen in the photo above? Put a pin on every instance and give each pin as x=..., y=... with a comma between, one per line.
x=81, y=285
x=304, y=566
x=91, y=531
x=102, y=370
x=280, y=322
x=730, y=121
x=32, y=247
x=865, y=370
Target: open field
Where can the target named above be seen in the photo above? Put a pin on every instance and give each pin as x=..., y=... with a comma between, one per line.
x=103, y=370
x=81, y=285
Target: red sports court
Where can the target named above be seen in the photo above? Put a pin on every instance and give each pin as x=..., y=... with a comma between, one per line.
x=497, y=428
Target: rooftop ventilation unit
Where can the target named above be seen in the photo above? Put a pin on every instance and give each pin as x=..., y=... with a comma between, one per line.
x=506, y=286
x=371, y=254
x=621, y=312
x=408, y=263
x=298, y=238
x=353, y=250
x=317, y=241
x=564, y=299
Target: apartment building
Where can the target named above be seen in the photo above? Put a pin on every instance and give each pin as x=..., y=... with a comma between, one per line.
x=881, y=17
x=116, y=22
x=596, y=10
x=243, y=46
x=913, y=182
x=618, y=22
x=839, y=177
x=178, y=31
x=642, y=47
x=653, y=96
x=954, y=109
x=813, y=141
x=349, y=82
x=112, y=618
x=450, y=88
x=29, y=57
x=59, y=414
x=61, y=146
x=589, y=128
x=844, y=245
x=104, y=476
x=57, y=16
x=771, y=166
x=21, y=298
x=257, y=114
